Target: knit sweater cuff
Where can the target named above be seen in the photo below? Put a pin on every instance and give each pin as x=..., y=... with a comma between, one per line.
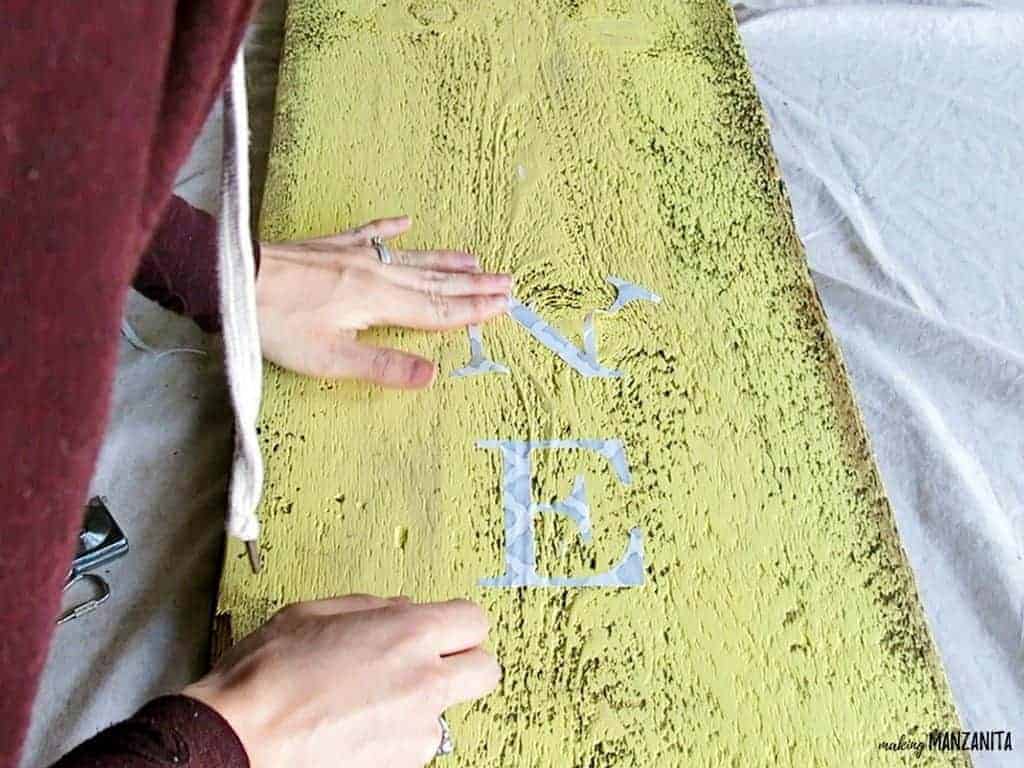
x=173, y=731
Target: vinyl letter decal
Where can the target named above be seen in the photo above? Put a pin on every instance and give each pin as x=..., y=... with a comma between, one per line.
x=519, y=508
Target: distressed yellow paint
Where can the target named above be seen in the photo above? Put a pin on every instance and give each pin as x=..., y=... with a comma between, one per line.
x=566, y=141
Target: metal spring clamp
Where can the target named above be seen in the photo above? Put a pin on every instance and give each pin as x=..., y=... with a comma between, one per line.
x=100, y=541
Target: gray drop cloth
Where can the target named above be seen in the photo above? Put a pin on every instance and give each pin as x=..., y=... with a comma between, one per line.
x=898, y=130
x=163, y=469
x=899, y=133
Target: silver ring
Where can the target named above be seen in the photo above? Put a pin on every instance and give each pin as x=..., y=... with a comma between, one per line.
x=383, y=252
x=447, y=746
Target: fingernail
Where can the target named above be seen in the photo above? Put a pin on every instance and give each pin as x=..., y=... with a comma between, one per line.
x=469, y=261
x=423, y=373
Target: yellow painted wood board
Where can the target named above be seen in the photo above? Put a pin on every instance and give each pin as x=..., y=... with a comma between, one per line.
x=566, y=142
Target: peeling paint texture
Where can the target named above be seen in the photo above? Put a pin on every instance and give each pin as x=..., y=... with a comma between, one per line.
x=777, y=622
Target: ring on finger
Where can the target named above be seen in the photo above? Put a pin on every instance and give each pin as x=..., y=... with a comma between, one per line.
x=384, y=255
x=447, y=745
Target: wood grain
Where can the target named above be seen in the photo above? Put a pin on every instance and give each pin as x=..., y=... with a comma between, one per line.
x=778, y=623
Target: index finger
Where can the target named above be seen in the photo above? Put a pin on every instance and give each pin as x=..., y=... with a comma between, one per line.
x=328, y=606
x=451, y=627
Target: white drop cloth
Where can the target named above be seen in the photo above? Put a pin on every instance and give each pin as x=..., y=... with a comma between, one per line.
x=898, y=130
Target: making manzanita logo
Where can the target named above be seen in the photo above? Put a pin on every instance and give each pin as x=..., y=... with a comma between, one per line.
x=953, y=741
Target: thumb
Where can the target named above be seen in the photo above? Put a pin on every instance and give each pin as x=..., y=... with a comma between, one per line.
x=380, y=365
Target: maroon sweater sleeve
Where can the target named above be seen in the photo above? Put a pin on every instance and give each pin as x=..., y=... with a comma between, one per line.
x=170, y=732
x=179, y=268
x=100, y=102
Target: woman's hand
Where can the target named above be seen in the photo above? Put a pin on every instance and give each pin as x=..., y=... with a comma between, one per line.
x=314, y=296
x=355, y=681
